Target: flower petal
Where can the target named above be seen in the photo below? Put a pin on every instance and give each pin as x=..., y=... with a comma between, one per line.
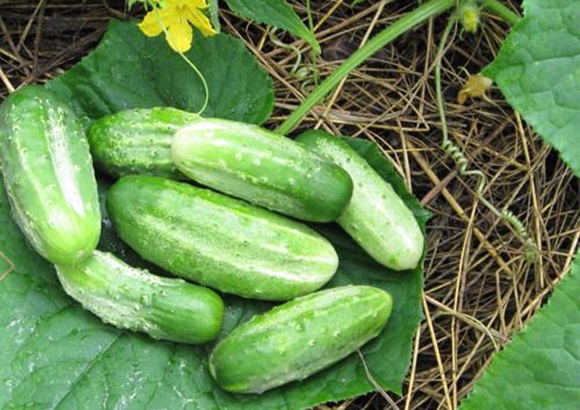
x=199, y=20
x=150, y=25
x=180, y=36
x=199, y=4
x=154, y=21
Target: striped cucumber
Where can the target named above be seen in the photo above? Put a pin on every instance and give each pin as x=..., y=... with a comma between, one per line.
x=137, y=141
x=218, y=241
x=48, y=175
x=376, y=217
x=296, y=339
x=130, y=298
x=263, y=168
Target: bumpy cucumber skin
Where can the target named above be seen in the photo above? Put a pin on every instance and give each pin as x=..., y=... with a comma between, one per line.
x=135, y=299
x=218, y=241
x=296, y=339
x=263, y=168
x=137, y=141
x=376, y=217
x=48, y=175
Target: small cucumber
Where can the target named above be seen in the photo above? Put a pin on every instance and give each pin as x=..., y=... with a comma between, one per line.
x=218, y=241
x=48, y=175
x=263, y=168
x=296, y=339
x=137, y=141
x=135, y=299
x=376, y=217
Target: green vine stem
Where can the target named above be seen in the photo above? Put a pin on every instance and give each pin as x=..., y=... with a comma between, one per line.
x=401, y=26
x=502, y=11
x=203, y=82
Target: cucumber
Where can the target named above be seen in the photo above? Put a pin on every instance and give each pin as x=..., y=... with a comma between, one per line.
x=261, y=167
x=376, y=217
x=218, y=241
x=48, y=175
x=137, y=141
x=130, y=298
x=296, y=339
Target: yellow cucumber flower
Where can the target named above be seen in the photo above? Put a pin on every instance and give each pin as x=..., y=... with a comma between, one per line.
x=176, y=18
x=475, y=86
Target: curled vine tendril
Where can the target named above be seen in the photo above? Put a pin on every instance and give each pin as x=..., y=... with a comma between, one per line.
x=305, y=74
x=461, y=160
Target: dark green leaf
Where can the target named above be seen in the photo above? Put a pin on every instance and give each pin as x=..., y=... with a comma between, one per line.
x=129, y=70
x=540, y=368
x=213, y=10
x=538, y=71
x=276, y=13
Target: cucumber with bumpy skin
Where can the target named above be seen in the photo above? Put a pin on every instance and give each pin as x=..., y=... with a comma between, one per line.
x=261, y=167
x=48, y=175
x=296, y=339
x=130, y=298
x=376, y=217
x=137, y=141
x=218, y=241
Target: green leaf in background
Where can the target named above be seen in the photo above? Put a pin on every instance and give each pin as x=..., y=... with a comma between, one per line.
x=276, y=13
x=129, y=70
x=538, y=71
x=214, y=14
x=540, y=368
x=55, y=355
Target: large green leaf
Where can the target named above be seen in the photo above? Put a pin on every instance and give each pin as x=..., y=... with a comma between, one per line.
x=540, y=368
x=129, y=70
x=55, y=355
x=538, y=71
x=276, y=13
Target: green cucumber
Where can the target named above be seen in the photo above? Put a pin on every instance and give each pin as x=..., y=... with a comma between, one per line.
x=296, y=339
x=137, y=141
x=135, y=299
x=218, y=241
x=376, y=217
x=48, y=175
x=262, y=167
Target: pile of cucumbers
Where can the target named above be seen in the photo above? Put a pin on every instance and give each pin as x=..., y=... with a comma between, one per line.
x=234, y=227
